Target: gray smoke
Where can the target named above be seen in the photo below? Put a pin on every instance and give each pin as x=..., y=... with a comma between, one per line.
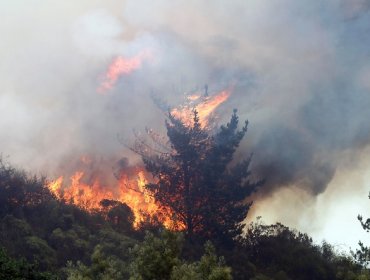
x=299, y=69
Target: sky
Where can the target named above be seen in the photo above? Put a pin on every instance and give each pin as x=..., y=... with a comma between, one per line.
x=299, y=72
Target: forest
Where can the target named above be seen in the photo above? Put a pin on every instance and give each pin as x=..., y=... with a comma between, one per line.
x=202, y=189
x=178, y=140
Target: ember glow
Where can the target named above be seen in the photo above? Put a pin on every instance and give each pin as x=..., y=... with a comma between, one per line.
x=205, y=106
x=122, y=66
x=128, y=190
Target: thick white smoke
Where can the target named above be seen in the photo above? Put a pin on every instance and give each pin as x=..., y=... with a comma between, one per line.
x=299, y=69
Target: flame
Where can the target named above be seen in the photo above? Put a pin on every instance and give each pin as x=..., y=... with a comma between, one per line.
x=133, y=193
x=143, y=203
x=84, y=195
x=130, y=191
x=193, y=97
x=121, y=66
x=205, y=107
x=55, y=186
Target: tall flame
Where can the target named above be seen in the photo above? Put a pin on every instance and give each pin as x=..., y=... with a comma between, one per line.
x=121, y=66
x=205, y=106
x=84, y=195
x=130, y=191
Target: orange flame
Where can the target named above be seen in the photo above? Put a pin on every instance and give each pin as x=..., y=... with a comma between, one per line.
x=129, y=191
x=193, y=97
x=84, y=195
x=119, y=67
x=55, y=186
x=205, y=107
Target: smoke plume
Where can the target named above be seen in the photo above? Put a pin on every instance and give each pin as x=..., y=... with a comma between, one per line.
x=299, y=72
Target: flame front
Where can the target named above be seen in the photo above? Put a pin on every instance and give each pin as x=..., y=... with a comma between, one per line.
x=130, y=191
x=205, y=106
x=83, y=195
x=55, y=186
x=119, y=67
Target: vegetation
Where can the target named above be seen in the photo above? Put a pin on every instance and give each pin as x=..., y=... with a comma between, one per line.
x=277, y=252
x=362, y=254
x=49, y=233
x=19, y=269
x=196, y=178
x=42, y=237
x=159, y=258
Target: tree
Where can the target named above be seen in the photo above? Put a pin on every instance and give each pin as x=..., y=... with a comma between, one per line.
x=20, y=269
x=362, y=255
x=118, y=214
x=20, y=192
x=102, y=268
x=159, y=258
x=278, y=252
x=155, y=257
x=197, y=179
x=209, y=267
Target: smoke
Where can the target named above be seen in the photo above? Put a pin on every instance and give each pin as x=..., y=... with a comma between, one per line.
x=299, y=71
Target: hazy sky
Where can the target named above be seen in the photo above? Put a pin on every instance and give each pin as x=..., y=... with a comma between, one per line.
x=300, y=72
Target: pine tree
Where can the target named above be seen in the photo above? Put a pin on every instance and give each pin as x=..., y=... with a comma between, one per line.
x=362, y=254
x=198, y=179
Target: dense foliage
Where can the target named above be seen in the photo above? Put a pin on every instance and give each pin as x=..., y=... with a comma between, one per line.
x=37, y=226
x=199, y=181
x=42, y=237
x=20, y=269
x=362, y=254
x=277, y=252
x=159, y=258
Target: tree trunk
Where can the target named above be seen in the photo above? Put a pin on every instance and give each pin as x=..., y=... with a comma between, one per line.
x=188, y=202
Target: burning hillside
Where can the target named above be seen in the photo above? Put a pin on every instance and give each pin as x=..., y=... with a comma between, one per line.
x=87, y=186
x=127, y=189
x=75, y=76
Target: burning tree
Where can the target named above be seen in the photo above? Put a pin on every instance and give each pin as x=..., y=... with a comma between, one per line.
x=195, y=176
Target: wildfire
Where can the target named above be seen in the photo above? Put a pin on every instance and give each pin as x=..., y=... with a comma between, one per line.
x=86, y=190
x=84, y=195
x=121, y=66
x=205, y=106
x=193, y=97
x=55, y=186
x=130, y=191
